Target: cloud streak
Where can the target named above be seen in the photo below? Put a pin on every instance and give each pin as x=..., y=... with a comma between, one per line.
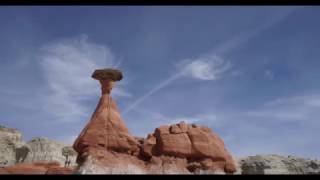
x=205, y=68
x=245, y=36
x=155, y=89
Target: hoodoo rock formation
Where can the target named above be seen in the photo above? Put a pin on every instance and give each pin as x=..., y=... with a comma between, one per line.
x=105, y=145
x=106, y=130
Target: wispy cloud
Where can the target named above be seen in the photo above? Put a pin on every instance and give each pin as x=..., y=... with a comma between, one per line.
x=204, y=68
x=67, y=66
x=291, y=108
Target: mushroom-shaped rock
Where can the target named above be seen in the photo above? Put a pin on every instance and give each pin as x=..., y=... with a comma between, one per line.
x=106, y=128
x=106, y=74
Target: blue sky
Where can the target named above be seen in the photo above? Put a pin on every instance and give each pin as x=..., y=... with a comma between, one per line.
x=249, y=73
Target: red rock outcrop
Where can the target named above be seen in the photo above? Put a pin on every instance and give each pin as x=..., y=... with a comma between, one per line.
x=106, y=146
x=36, y=168
x=195, y=150
x=192, y=142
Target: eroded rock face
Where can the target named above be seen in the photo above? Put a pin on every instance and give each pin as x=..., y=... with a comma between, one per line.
x=46, y=150
x=9, y=140
x=163, y=152
x=200, y=145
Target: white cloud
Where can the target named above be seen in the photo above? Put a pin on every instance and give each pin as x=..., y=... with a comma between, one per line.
x=67, y=66
x=208, y=67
